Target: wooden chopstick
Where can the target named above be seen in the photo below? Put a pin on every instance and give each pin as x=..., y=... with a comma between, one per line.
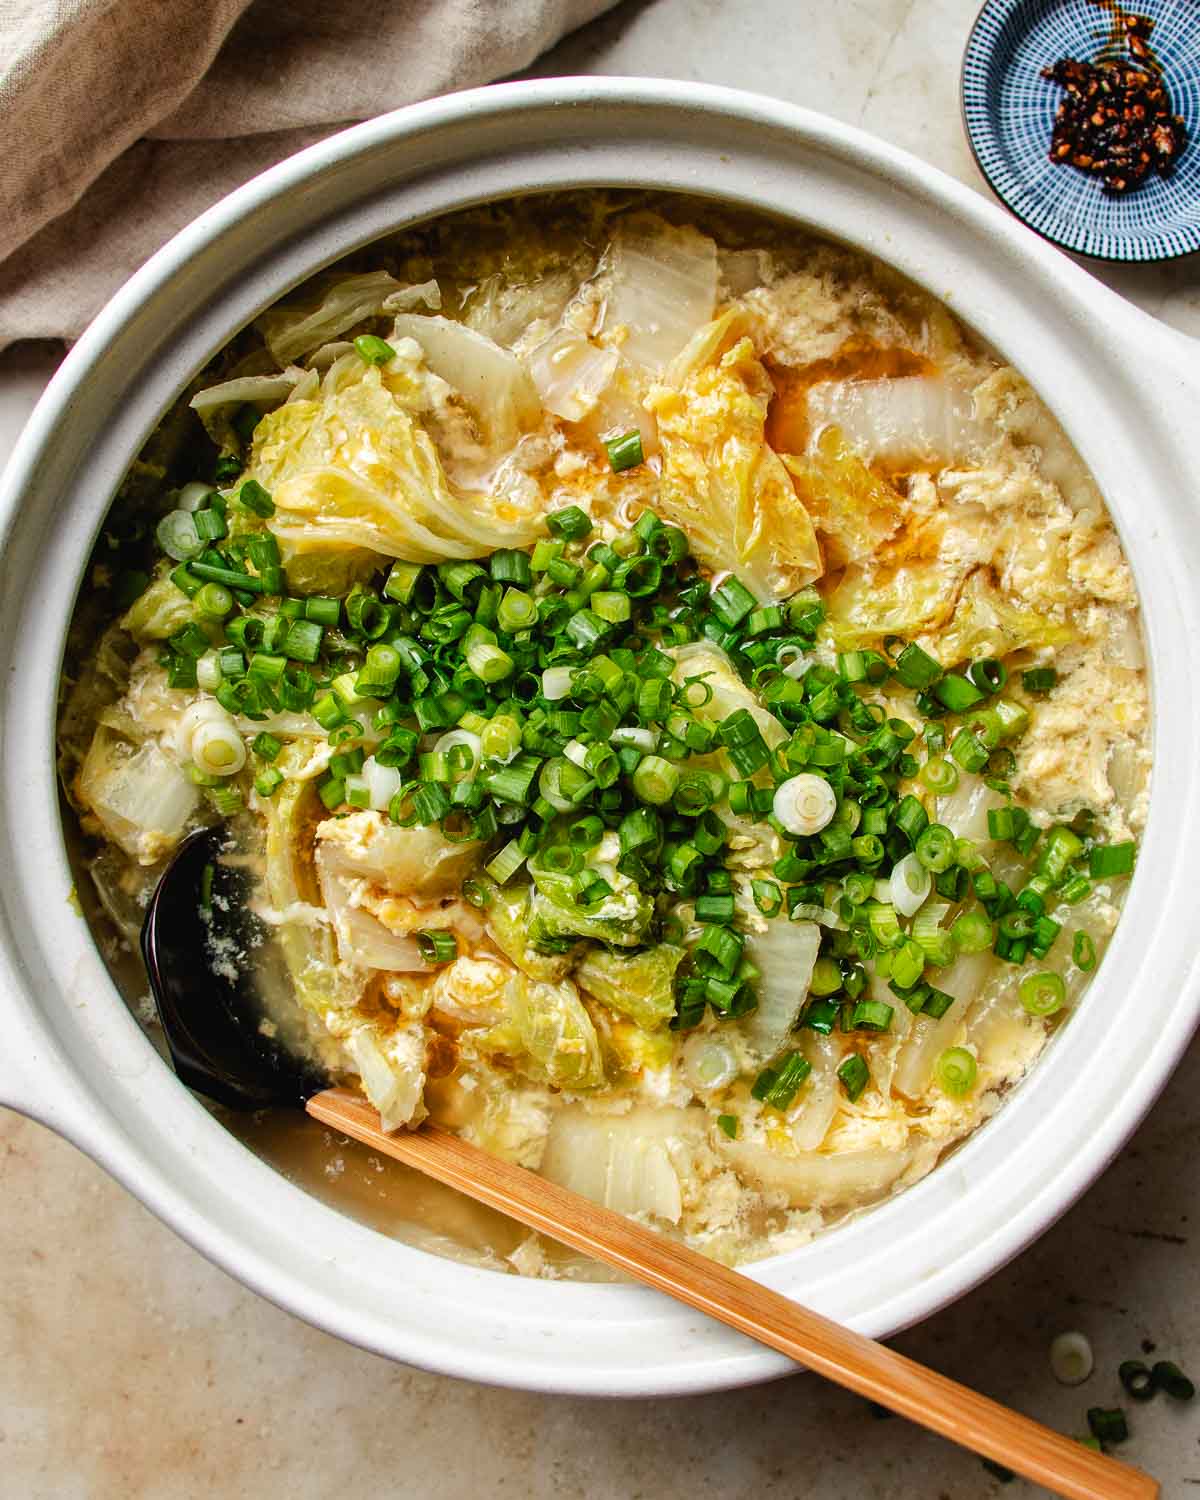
x=849, y=1359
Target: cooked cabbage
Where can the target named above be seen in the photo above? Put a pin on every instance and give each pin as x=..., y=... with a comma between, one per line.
x=640, y=986
x=140, y=796
x=493, y=383
x=721, y=481
x=554, y=1038
x=419, y=862
x=392, y=1069
x=664, y=283
x=815, y=1179
x=928, y=1038
x=362, y=939
x=784, y=955
x=324, y=308
x=916, y=421
x=811, y=1115
x=354, y=469
x=570, y=373
x=508, y=928
x=159, y=611
x=308, y=949
x=216, y=403
x=854, y=509
x=621, y=918
x=624, y=1162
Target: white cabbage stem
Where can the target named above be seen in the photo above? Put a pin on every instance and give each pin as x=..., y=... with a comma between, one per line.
x=805, y=804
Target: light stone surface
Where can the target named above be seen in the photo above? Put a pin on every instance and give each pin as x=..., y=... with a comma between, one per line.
x=130, y=1369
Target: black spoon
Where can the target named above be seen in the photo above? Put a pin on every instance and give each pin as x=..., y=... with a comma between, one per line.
x=211, y=1021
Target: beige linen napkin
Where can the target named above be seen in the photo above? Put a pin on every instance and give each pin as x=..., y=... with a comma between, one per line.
x=123, y=119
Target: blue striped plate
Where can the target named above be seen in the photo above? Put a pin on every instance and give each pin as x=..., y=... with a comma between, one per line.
x=1008, y=108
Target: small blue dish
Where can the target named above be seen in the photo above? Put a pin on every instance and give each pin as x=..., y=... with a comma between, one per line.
x=1009, y=109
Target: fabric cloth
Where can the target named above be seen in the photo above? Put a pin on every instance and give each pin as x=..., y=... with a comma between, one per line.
x=125, y=118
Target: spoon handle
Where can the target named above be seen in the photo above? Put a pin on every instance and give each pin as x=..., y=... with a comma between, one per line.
x=860, y=1364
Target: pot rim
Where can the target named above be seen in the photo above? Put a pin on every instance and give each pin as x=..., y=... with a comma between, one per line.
x=78, y=1060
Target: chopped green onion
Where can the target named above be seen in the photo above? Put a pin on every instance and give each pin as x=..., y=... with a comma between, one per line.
x=1105, y=860
x=732, y=602
x=373, y=350
x=972, y=932
x=956, y=1071
x=570, y=524
x=436, y=945
x=1108, y=1425
x=915, y=668
x=1038, y=679
x=988, y=675
x=252, y=497
x=957, y=693
x=1083, y=951
x=517, y=611
x=266, y=746
x=934, y=847
x=625, y=452
x=1170, y=1378
x=854, y=1075
x=778, y=1086
x=489, y=662
x=938, y=775
x=1136, y=1379
x=655, y=780
x=728, y=1125
x=1043, y=993
x=871, y=1015
x=968, y=751
x=245, y=583
x=177, y=536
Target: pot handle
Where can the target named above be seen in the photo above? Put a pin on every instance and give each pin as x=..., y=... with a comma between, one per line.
x=29, y=1071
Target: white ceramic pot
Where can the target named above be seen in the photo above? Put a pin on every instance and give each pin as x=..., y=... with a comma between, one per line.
x=71, y=1054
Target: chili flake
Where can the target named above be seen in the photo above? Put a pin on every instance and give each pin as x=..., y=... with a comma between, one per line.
x=1116, y=120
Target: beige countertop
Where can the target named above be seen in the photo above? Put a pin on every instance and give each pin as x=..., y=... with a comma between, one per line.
x=131, y=1369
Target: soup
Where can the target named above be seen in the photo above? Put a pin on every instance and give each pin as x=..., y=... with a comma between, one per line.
x=679, y=700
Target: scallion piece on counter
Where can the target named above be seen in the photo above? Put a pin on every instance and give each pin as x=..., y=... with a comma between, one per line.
x=1136, y=1379
x=1170, y=1378
x=1108, y=1425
